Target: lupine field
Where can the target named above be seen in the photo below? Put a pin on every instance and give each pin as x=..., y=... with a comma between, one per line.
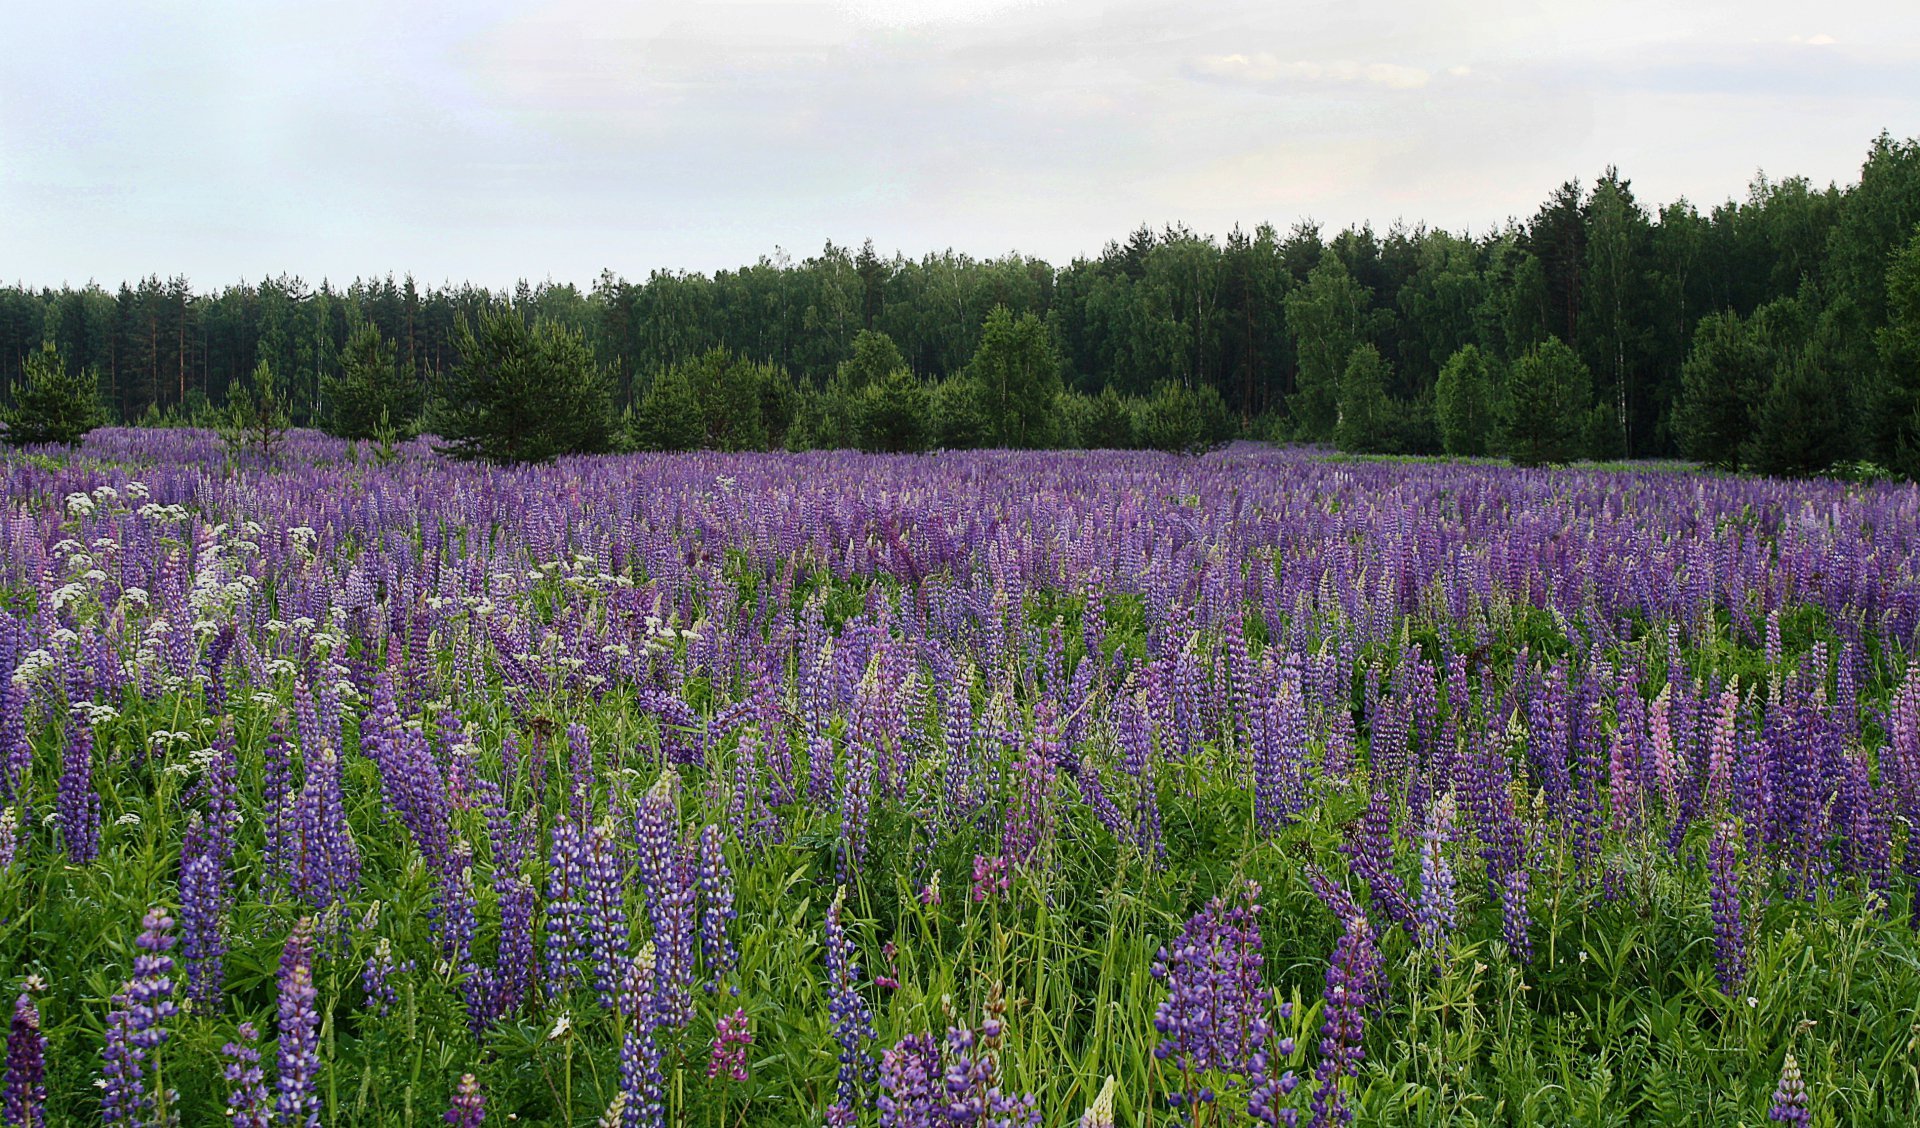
x=971, y=789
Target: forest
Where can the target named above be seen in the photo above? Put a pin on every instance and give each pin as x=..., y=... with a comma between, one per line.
x=1779, y=333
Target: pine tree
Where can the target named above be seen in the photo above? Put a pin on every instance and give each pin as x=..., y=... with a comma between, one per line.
x=523, y=394
x=1546, y=405
x=1721, y=385
x=369, y=389
x=1800, y=428
x=52, y=404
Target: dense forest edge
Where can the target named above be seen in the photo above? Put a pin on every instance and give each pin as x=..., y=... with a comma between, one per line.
x=1780, y=333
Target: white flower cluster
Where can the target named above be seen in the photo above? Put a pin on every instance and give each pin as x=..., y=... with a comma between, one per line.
x=95, y=714
x=167, y=514
x=33, y=664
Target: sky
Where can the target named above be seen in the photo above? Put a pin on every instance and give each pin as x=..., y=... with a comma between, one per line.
x=487, y=141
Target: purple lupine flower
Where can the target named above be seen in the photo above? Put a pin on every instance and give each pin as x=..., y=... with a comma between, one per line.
x=747, y=811
x=469, y=1108
x=515, y=964
x=248, y=1105
x=656, y=843
x=1279, y=750
x=1515, y=918
x=1369, y=850
x=1134, y=736
x=568, y=941
x=203, y=900
x=1213, y=1019
x=26, y=1076
x=732, y=1035
x=1790, y=1097
x=137, y=1028
x=297, y=1100
x=926, y=1083
x=1438, y=910
x=912, y=1084
x=852, y=1020
x=990, y=876
x=642, y=1078
x=1729, y=928
x=78, y=805
x=973, y=1095
x=579, y=774
x=280, y=802
x=671, y=908
x=1350, y=984
x=325, y=859
x=1029, y=817
x=604, y=896
x=865, y=747
x=16, y=750
x=717, y=951
x=376, y=977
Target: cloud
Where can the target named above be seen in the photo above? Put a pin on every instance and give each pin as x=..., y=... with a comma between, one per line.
x=1266, y=69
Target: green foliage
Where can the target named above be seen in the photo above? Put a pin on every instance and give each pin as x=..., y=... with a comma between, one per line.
x=893, y=413
x=371, y=390
x=1894, y=397
x=1328, y=317
x=1017, y=370
x=1367, y=417
x=668, y=416
x=1108, y=424
x=523, y=394
x=1801, y=427
x=1547, y=400
x=51, y=404
x=257, y=419
x=1720, y=386
x=961, y=419
x=875, y=357
x=717, y=401
x=1466, y=404
x=1266, y=319
x=1187, y=420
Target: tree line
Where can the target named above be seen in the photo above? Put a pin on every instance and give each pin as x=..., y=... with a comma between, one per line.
x=1780, y=332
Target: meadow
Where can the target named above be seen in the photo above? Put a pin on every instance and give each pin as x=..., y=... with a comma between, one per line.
x=1088, y=788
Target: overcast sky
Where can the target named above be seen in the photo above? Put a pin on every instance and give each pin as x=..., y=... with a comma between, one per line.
x=490, y=141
